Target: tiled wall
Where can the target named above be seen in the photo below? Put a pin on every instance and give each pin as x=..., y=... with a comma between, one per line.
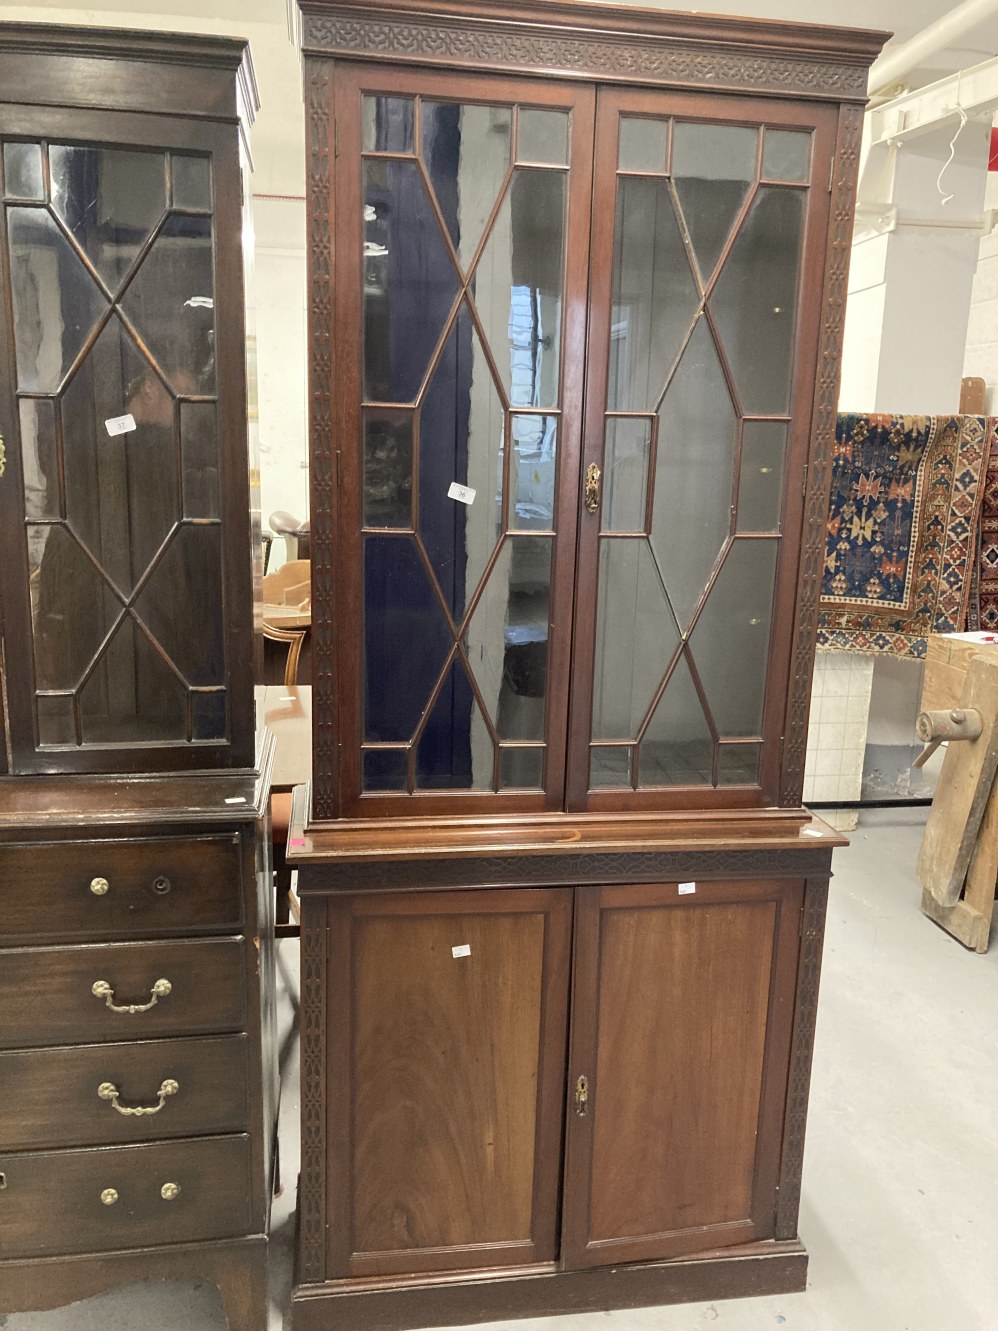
x=836, y=737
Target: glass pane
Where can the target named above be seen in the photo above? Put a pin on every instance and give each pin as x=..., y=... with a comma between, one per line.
x=466, y=153
x=542, y=136
x=39, y=459
x=406, y=639
x=625, y=474
x=386, y=769
x=786, y=155
x=610, y=766
x=171, y=302
x=121, y=490
x=387, y=468
x=208, y=714
x=655, y=297
x=694, y=473
x=739, y=764
x=199, y=451
x=110, y=199
x=644, y=144
x=713, y=167
x=507, y=638
x=521, y=769
x=461, y=443
x=191, y=182
x=56, y=301
x=22, y=171
x=518, y=287
x=72, y=609
x=455, y=751
x=55, y=719
x=387, y=124
x=133, y=694
x=760, y=482
x=636, y=638
x=730, y=641
x=532, y=465
x=678, y=749
x=755, y=300
x=181, y=604
x=409, y=281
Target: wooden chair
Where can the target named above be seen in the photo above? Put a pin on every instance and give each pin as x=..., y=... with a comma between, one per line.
x=294, y=638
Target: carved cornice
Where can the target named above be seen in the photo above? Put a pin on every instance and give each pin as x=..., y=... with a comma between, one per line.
x=499, y=44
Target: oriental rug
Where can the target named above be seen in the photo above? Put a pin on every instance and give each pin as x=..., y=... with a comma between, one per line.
x=982, y=612
x=903, y=516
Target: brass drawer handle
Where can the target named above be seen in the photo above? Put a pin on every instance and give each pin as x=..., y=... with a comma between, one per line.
x=592, y=487
x=108, y=1091
x=170, y=1192
x=101, y=989
x=100, y=887
x=109, y=1196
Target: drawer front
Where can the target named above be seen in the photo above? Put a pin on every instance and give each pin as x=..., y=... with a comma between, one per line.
x=127, y=888
x=47, y=994
x=49, y=1097
x=60, y=1202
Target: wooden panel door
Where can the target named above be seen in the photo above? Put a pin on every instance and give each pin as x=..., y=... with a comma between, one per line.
x=447, y=1015
x=684, y=999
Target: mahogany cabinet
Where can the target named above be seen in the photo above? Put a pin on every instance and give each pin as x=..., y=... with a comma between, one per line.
x=138, y=1086
x=577, y=277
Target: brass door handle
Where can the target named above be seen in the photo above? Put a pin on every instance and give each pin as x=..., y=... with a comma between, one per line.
x=108, y=1091
x=592, y=490
x=582, y=1096
x=101, y=989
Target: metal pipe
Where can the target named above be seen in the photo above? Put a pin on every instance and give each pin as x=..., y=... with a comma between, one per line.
x=895, y=63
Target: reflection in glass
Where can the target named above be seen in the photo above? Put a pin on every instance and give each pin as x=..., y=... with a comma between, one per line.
x=636, y=638
x=678, y=748
x=56, y=724
x=610, y=765
x=713, y=167
x=532, y=470
x=387, y=468
x=199, y=451
x=171, y=300
x=521, y=768
x=519, y=286
x=409, y=281
x=466, y=153
x=385, y=769
x=760, y=481
x=625, y=473
x=755, y=300
x=110, y=199
x=455, y=750
x=208, y=714
x=191, y=182
x=133, y=694
x=542, y=136
x=786, y=155
x=644, y=144
x=72, y=608
x=738, y=764
x=730, y=641
x=56, y=301
x=406, y=639
x=694, y=473
x=39, y=458
x=655, y=297
x=22, y=171
x=387, y=124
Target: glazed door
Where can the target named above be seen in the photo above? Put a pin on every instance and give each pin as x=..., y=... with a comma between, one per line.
x=446, y=1021
x=683, y=1005
x=462, y=214
x=709, y=226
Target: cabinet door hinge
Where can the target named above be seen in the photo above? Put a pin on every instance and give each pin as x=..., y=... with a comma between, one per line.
x=803, y=488
x=831, y=175
x=336, y=139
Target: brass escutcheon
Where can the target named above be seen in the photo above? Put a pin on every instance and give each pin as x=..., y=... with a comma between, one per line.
x=582, y=1096
x=592, y=487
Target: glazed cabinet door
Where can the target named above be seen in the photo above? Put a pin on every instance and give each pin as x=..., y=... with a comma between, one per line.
x=446, y=1020
x=683, y=999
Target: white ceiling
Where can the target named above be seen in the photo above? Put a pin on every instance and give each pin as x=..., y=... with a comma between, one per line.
x=278, y=140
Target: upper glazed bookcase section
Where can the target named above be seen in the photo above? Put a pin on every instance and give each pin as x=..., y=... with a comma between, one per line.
x=607, y=42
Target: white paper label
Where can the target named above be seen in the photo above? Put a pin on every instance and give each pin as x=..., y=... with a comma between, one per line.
x=462, y=950
x=464, y=493
x=686, y=888
x=236, y=799
x=812, y=831
x=120, y=424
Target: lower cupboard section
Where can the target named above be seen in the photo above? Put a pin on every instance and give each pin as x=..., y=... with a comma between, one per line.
x=62, y=1202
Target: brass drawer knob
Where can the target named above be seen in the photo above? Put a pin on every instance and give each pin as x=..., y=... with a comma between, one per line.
x=109, y=1196
x=101, y=989
x=108, y=1091
x=100, y=887
x=169, y=1191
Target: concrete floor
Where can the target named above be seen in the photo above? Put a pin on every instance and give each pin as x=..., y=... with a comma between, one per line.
x=900, y=1198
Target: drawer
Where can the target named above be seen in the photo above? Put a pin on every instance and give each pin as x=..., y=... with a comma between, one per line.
x=47, y=994
x=49, y=1097
x=60, y=1202
x=107, y=889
